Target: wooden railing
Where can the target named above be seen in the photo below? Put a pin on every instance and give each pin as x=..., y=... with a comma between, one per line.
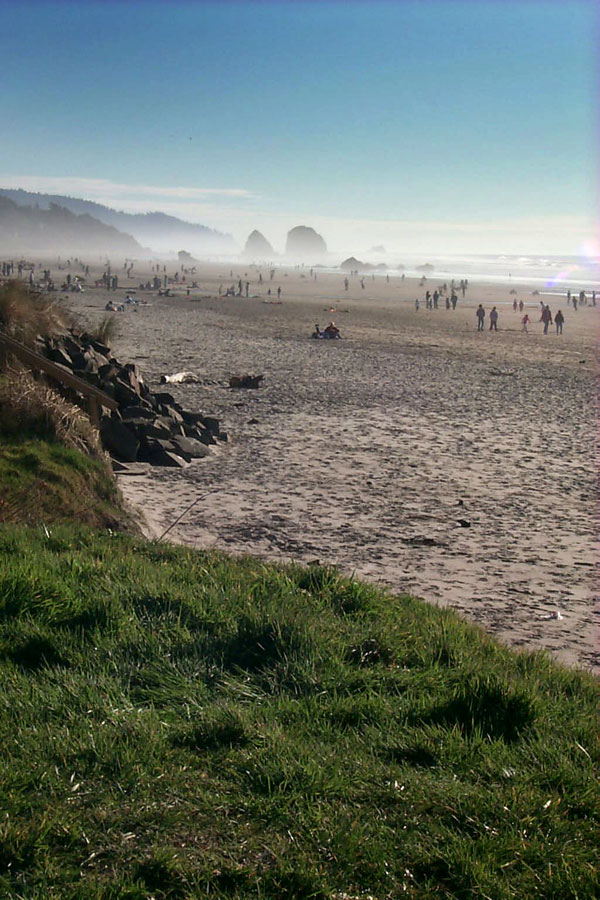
x=95, y=397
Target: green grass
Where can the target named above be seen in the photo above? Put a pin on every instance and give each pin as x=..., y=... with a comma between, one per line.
x=177, y=724
x=44, y=481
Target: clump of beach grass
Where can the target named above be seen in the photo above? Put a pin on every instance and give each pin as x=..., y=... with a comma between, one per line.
x=24, y=315
x=32, y=408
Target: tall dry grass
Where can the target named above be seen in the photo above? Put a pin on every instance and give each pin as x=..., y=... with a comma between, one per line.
x=31, y=408
x=24, y=315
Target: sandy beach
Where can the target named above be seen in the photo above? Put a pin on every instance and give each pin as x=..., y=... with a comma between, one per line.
x=415, y=452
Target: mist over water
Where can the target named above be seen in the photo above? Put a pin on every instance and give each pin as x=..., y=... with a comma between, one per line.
x=554, y=273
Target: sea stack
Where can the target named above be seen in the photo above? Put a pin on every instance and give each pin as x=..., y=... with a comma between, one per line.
x=303, y=242
x=258, y=246
x=351, y=264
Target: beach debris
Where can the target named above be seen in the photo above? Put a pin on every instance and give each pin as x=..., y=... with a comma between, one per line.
x=180, y=378
x=252, y=421
x=420, y=540
x=245, y=381
x=464, y=523
x=502, y=372
x=553, y=615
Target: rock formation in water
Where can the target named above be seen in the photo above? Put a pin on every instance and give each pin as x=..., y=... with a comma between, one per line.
x=303, y=242
x=351, y=264
x=258, y=247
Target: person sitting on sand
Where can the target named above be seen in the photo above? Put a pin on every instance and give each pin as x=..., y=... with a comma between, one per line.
x=317, y=333
x=332, y=331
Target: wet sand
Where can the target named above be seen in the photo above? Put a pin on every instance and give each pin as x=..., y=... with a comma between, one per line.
x=416, y=453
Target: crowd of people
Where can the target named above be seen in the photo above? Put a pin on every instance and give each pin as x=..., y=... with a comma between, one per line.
x=545, y=317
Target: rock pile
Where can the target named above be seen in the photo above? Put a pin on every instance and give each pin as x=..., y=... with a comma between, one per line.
x=148, y=427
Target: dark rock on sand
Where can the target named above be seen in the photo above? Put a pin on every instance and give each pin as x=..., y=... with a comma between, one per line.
x=119, y=438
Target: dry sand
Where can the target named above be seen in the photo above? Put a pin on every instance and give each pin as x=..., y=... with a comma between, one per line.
x=415, y=452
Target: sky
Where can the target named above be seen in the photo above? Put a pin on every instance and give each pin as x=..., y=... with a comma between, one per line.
x=434, y=126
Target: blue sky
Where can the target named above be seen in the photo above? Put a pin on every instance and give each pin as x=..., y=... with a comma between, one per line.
x=438, y=126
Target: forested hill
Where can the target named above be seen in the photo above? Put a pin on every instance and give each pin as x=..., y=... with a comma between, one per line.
x=154, y=229
x=29, y=229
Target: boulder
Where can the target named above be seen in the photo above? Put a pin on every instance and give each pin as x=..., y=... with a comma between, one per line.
x=155, y=429
x=140, y=411
x=211, y=424
x=125, y=394
x=119, y=438
x=60, y=356
x=189, y=448
x=161, y=397
x=159, y=453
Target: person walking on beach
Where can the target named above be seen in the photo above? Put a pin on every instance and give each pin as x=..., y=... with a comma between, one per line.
x=558, y=321
x=278, y=293
x=524, y=323
x=546, y=318
x=480, y=313
x=521, y=305
x=494, y=319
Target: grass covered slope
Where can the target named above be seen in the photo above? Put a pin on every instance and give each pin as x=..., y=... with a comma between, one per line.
x=178, y=724
x=44, y=481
